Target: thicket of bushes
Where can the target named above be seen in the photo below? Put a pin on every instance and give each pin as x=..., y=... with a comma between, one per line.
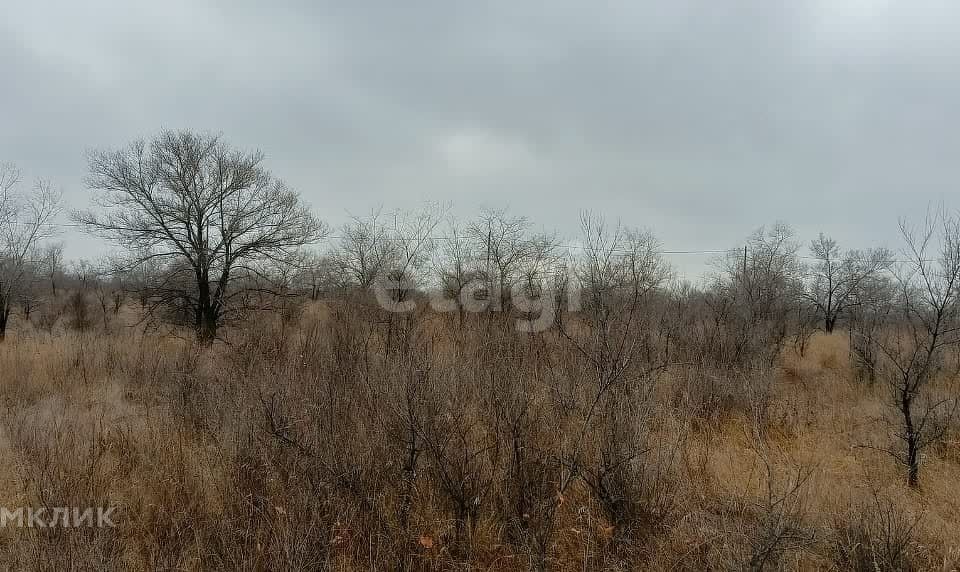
x=349, y=437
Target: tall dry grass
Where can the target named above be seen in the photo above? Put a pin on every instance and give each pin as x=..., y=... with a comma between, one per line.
x=340, y=439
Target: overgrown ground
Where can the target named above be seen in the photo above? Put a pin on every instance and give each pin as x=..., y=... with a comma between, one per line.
x=316, y=444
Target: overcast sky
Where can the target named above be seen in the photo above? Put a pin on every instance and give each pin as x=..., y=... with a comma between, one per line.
x=700, y=120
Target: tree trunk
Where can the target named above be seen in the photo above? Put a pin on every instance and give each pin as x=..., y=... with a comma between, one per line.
x=207, y=332
x=205, y=314
x=829, y=324
x=4, y=317
x=913, y=458
x=913, y=441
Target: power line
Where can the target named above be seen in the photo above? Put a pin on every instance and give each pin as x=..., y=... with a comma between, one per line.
x=334, y=237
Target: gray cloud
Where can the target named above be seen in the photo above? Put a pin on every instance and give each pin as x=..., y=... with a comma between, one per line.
x=700, y=120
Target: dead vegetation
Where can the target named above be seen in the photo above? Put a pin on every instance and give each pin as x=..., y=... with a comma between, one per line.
x=311, y=444
x=485, y=399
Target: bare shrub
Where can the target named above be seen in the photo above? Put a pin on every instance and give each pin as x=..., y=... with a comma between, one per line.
x=876, y=535
x=780, y=525
x=925, y=327
x=78, y=310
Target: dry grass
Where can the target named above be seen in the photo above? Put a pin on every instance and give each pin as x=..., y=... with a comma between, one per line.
x=318, y=445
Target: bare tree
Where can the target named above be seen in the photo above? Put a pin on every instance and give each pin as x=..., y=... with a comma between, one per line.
x=365, y=249
x=836, y=277
x=752, y=299
x=540, y=265
x=868, y=318
x=455, y=262
x=411, y=237
x=503, y=244
x=316, y=273
x=78, y=304
x=24, y=225
x=926, y=324
x=108, y=288
x=804, y=324
x=53, y=265
x=213, y=215
x=48, y=264
x=619, y=272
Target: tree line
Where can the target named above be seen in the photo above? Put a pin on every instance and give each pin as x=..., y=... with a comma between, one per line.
x=209, y=235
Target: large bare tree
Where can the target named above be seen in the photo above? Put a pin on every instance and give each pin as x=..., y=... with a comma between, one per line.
x=836, y=277
x=213, y=215
x=24, y=224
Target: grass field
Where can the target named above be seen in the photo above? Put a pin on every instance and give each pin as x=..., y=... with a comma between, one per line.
x=306, y=445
